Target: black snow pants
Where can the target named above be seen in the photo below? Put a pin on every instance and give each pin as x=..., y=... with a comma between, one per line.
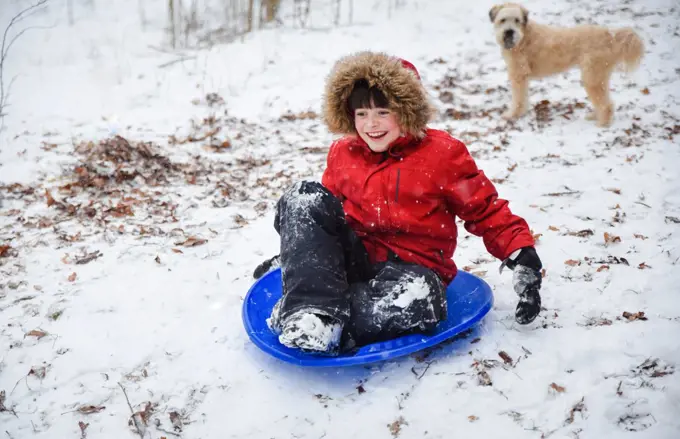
x=325, y=267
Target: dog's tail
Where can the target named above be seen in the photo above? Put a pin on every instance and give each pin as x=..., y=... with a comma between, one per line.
x=629, y=47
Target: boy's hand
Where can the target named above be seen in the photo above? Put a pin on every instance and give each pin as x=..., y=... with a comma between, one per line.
x=526, y=279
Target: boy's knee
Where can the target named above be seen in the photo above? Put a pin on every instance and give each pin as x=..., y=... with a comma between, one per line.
x=310, y=197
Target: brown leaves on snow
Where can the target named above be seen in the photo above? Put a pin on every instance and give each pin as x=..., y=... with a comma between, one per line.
x=90, y=409
x=192, y=241
x=557, y=388
x=37, y=333
x=395, y=427
x=654, y=368
x=640, y=315
x=579, y=407
x=5, y=251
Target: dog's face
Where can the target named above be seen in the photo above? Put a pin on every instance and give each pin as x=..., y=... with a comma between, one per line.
x=509, y=21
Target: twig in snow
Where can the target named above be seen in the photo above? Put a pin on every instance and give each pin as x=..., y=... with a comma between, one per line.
x=174, y=61
x=413, y=369
x=163, y=430
x=140, y=429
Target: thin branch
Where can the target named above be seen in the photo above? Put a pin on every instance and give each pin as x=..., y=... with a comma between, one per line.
x=5, y=46
x=140, y=431
x=126, y=398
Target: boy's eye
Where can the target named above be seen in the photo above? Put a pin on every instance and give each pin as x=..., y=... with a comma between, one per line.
x=360, y=113
x=383, y=112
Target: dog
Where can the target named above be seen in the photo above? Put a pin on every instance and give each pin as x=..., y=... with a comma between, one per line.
x=533, y=50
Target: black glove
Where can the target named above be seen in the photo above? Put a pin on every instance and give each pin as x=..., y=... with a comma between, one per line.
x=267, y=266
x=526, y=280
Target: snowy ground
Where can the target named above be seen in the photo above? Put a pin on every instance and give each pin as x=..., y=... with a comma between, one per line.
x=123, y=265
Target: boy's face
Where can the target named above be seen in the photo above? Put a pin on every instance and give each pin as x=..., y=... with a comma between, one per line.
x=378, y=127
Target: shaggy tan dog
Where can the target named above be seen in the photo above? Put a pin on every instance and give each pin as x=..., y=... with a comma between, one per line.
x=533, y=50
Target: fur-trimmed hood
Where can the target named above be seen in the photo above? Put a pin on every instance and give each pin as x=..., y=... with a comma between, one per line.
x=396, y=78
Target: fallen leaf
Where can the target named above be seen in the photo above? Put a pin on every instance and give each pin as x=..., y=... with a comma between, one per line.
x=38, y=371
x=602, y=268
x=512, y=167
x=4, y=250
x=89, y=409
x=36, y=333
x=483, y=378
x=572, y=262
x=557, y=388
x=640, y=315
x=472, y=418
x=50, y=199
x=192, y=241
x=176, y=421
x=88, y=257
x=553, y=228
x=582, y=233
x=157, y=259
x=578, y=407
x=176, y=250
x=645, y=91
x=83, y=426
x=643, y=266
x=395, y=427
x=608, y=238
x=240, y=220
x=507, y=359
x=638, y=236
x=72, y=277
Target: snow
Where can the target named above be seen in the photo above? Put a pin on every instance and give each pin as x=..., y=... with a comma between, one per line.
x=414, y=289
x=158, y=312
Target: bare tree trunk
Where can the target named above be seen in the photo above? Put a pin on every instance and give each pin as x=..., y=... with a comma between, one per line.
x=191, y=24
x=336, y=18
x=171, y=16
x=175, y=16
x=302, y=11
x=250, y=17
x=69, y=11
x=271, y=7
x=142, y=14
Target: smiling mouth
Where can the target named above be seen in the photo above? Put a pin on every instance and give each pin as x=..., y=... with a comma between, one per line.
x=378, y=135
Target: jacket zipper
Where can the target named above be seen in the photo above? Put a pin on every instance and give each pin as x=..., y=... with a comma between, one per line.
x=396, y=195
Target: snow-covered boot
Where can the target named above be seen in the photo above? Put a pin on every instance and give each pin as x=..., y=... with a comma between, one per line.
x=311, y=332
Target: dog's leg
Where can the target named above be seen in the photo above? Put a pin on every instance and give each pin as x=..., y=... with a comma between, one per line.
x=596, y=82
x=519, y=84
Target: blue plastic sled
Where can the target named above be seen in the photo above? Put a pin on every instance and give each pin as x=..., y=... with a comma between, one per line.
x=469, y=299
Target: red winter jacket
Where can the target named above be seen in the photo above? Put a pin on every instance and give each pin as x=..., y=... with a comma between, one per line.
x=406, y=200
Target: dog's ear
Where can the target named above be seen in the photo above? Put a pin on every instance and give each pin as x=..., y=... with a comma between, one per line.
x=493, y=11
x=525, y=15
